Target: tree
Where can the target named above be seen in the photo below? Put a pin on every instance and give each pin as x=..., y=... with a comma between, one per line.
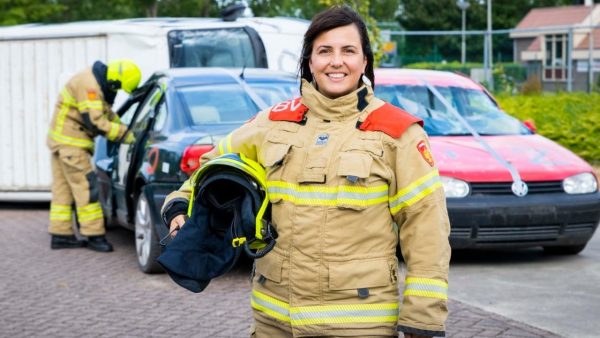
x=14, y=12
x=423, y=15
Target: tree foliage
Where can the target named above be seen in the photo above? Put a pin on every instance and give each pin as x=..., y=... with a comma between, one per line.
x=427, y=15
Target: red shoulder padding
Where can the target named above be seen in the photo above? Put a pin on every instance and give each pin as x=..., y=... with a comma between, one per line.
x=290, y=110
x=390, y=120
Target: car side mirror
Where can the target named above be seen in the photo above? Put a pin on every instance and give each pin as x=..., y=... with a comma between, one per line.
x=530, y=124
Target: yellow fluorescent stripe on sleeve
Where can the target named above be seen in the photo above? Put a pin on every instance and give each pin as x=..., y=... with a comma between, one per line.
x=225, y=145
x=72, y=141
x=114, y=131
x=270, y=299
x=420, y=186
x=96, y=104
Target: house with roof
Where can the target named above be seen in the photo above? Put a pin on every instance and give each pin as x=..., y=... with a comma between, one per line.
x=546, y=37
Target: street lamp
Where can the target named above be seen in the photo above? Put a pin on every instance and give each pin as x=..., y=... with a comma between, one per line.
x=463, y=5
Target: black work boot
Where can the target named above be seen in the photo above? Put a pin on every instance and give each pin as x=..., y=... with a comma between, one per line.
x=66, y=242
x=99, y=243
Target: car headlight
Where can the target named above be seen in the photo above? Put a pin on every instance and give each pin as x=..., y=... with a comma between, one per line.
x=584, y=183
x=454, y=188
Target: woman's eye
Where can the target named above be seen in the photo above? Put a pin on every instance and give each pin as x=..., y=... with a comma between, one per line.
x=324, y=52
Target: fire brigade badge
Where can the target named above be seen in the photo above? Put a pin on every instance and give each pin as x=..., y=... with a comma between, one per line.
x=92, y=95
x=322, y=139
x=425, y=153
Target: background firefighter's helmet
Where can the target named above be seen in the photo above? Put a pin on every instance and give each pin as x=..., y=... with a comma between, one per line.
x=123, y=74
x=229, y=213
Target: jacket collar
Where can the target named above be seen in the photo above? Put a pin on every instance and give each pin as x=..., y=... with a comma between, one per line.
x=342, y=108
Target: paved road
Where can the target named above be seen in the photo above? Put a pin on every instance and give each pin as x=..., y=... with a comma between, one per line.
x=557, y=293
x=77, y=292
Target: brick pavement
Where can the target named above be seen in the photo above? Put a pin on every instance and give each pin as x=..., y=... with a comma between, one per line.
x=77, y=292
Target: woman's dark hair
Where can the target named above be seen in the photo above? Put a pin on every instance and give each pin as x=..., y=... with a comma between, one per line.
x=334, y=17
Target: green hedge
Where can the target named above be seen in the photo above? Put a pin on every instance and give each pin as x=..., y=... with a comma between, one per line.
x=571, y=119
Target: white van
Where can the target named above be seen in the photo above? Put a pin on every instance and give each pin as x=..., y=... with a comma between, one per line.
x=37, y=60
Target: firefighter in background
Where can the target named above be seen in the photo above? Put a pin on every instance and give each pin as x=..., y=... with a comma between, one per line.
x=82, y=112
x=349, y=176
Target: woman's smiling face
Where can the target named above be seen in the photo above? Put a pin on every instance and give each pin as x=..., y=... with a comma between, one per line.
x=337, y=61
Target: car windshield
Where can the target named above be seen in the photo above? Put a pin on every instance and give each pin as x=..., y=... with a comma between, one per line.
x=474, y=105
x=229, y=103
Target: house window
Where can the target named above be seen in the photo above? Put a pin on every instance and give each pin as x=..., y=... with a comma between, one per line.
x=555, y=64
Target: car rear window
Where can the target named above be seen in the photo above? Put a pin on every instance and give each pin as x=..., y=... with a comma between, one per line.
x=474, y=105
x=229, y=103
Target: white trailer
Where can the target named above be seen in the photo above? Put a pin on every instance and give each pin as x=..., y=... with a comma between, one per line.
x=36, y=61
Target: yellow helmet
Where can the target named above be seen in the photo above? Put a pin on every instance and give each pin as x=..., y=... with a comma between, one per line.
x=123, y=74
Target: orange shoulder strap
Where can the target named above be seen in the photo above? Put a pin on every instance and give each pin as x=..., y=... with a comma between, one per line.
x=291, y=110
x=389, y=119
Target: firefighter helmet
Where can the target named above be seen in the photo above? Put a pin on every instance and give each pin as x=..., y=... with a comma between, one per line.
x=123, y=74
x=228, y=214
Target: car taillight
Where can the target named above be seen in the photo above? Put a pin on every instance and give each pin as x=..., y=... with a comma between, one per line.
x=190, y=160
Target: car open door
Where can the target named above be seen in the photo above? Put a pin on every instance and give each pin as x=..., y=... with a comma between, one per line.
x=128, y=156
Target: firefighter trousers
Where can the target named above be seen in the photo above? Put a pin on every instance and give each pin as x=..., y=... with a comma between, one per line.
x=263, y=330
x=74, y=182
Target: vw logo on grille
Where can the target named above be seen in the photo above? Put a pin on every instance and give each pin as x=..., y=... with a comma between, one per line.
x=519, y=188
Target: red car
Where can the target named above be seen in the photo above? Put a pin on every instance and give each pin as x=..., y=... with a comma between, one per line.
x=505, y=185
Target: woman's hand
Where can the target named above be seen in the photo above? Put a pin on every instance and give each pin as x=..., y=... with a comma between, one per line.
x=176, y=224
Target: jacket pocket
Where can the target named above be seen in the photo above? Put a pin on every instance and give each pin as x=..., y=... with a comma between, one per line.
x=270, y=267
x=362, y=274
x=353, y=172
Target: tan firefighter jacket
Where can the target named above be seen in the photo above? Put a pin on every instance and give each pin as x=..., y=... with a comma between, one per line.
x=81, y=114
x=347, y=178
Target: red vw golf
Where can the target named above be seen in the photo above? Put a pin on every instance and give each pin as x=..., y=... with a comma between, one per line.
x=505, y=185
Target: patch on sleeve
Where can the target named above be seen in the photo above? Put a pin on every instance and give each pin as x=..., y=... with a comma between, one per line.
x=425, y=153
x=92, y=95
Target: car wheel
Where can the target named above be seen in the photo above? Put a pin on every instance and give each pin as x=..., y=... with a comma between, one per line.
x=564, y=250
x=146, y=240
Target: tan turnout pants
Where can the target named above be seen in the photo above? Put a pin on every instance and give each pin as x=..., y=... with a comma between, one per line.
x=74, y=181
x=262, y=330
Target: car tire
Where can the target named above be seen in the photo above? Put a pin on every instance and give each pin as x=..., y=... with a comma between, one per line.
x=147, y=246
x=564, y=250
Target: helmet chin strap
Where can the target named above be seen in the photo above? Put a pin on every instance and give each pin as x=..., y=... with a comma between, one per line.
x=113, y=85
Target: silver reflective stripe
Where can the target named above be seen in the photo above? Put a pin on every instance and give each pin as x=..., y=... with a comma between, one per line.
x=420, y=188
x=425, y=287
x=328, y=195
x=271, y=306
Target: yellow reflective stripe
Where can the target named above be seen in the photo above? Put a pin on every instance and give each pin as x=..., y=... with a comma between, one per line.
x=328, y=196
x=60, y=212
x=114, y=131
x=225, y=145
x=60, y=119
x=67, y=98
x=72, y=141
x=96, y=104
x=68, y=101
x=344, y=313
x=426, y=287
x=415, y=191
x=89, y=212
x=324, y=314
x=270, y=306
